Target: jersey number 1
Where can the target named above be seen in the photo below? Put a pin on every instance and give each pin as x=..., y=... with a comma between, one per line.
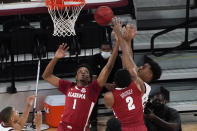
x=74, y=104
x=129, y=100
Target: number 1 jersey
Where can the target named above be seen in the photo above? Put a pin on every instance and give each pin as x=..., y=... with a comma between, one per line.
x=79, y=103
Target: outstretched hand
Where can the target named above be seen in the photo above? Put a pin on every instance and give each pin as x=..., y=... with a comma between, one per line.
x=38, y=119
x=30, y=100
x=130, y=32
x=117, y=26
x=61, y=51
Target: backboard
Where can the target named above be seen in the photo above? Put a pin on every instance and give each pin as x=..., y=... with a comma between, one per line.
x=14, y=7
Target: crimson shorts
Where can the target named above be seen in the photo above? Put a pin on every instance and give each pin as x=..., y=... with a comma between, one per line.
x=134, y=128
x=65, y=127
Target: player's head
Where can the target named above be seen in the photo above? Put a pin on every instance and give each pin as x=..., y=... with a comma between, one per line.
x=113, y=124
x=150, y=71
x=122, y=78
x=105, y=49
x=84, y=74
x=9, y=115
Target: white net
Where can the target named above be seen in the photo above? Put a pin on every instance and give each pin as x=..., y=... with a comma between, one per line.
x=64, y=19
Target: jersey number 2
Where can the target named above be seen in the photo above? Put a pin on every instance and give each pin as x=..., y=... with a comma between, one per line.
x=129, y=100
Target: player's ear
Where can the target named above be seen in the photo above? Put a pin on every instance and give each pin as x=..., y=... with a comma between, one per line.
x=12, y=119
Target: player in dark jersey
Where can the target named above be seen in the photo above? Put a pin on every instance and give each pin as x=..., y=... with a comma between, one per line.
x=126, y=99
x=80, y=96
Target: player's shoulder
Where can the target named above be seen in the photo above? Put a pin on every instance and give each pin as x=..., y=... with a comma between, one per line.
x=108, y=95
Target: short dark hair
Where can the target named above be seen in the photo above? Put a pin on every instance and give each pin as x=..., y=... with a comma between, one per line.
x=6, y=114
x=86, y=66
x=122, y=78
x=106, y=43
x=113, y=124
x=155, y=68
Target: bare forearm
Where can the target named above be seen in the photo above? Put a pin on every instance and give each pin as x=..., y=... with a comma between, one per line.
x=38, y=128
x=127, y=58
x=131, y=54
x=125, y=55
x=23, y=118
x=113, y=57
x=102, y=78
x=130, y=48
x=122, y=45
x=50, y=67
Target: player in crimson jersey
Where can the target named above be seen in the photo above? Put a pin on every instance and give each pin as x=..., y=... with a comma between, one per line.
x=126, y=98
x=80, y=96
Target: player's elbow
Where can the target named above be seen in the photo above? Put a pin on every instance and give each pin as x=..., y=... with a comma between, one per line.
x=44, y=76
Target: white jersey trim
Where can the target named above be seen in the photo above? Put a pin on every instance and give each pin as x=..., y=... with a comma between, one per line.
x=146, y=94
x=90, y=111
x=76, y=87
x=2, y=128
x=120, y=88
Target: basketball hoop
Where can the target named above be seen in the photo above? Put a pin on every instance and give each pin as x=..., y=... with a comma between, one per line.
x=64, y=14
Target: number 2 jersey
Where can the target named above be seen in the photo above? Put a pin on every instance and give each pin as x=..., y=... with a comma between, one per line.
x=128, y=106
x=79, y=104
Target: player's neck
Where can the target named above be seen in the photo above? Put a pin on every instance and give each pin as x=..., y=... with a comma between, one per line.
x=81, y=83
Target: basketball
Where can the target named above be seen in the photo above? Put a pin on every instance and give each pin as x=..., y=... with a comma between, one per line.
x=103, y=15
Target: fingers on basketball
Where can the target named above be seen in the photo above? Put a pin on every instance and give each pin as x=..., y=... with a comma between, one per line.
x=103, y=15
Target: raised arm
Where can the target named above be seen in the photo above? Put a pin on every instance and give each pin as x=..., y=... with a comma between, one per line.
x=38, y=120
x=23, y=119
x=48, y=73
x=103, y=76
x=127, y=59
x=129, y=34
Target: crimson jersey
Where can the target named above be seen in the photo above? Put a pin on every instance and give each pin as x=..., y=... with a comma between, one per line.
x=79, y=104
x=128, y=106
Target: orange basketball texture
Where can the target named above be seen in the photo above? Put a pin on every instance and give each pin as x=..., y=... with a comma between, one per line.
x=103, y=15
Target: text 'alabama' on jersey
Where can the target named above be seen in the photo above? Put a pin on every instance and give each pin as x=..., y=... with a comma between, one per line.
x=79, y=103
x=128, y=105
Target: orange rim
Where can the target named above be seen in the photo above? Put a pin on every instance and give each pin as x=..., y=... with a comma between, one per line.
x=51, y=3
